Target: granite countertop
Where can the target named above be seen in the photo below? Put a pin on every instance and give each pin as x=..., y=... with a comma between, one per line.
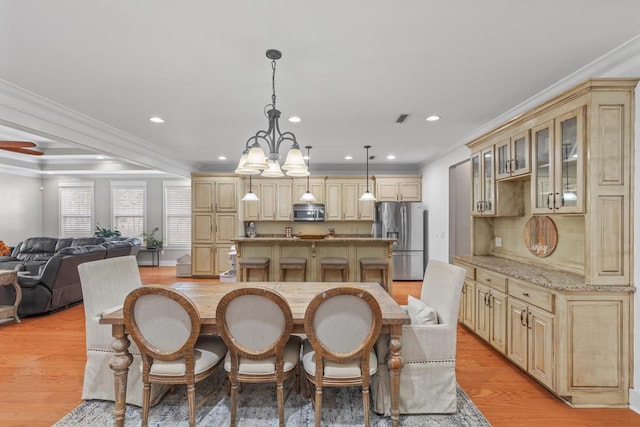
x=324, y=239
x=547, y=277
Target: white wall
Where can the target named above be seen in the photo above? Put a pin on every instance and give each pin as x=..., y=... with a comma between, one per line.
x=21, y=208
x=435, y=197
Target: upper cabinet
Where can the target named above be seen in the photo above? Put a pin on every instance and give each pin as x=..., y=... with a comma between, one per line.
x=558, y=159
x=275, y=202
x=399, y=189
x=512, y=156
x=483, y=182
x=343, y=200
x=315, y=186
x=214, y=194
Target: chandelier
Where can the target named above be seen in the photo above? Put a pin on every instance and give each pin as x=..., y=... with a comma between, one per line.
x=253, y=160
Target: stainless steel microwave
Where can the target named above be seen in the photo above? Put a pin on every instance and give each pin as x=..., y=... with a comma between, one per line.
x=308, y=212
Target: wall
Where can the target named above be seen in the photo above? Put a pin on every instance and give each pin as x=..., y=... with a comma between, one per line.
x=435, y=198
x=21, y=202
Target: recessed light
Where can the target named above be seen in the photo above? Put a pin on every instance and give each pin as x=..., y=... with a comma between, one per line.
x=295, y=119
x=222, y=158
x=433, y=118
x=100, y=157
x=156, y=119
x=391, y=157
x=348, y=157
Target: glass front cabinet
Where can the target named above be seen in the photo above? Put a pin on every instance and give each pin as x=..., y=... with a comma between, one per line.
x=557, y=177
x=483, y=182
x=512, y=156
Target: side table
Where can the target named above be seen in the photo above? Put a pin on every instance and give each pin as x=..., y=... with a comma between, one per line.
x=155, y=256
x=10, y=277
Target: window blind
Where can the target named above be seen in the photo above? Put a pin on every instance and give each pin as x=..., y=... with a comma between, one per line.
x=177, y=209
x=76, y=210
x=127, y=208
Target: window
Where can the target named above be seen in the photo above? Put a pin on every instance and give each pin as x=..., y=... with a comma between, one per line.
x=76, y=209
x=177, y=214
x=128, y=207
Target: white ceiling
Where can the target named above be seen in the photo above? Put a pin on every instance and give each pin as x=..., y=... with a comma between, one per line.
x=87, y=75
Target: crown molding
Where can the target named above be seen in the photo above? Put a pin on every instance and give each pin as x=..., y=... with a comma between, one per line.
x=29, y=112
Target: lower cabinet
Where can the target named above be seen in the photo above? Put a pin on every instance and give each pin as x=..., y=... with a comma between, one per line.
x=575, y=342
x=491, y=316
x=530, y=340
x=467, y=313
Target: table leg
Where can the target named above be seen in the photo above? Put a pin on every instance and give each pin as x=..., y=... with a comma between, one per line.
x=395, y=364
x=120, y=363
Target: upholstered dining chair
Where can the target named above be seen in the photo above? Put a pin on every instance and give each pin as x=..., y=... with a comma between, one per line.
x=105, y=284
x=256, y=324
x=166, y=327
x=342, y=325
x=428, y=378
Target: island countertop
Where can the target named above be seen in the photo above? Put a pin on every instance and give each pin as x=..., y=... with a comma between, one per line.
x=314, y=239
x=314, y=248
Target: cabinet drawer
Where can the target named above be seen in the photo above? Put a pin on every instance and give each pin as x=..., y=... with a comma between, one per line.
x=470, y=270
x=532, y=294
x=493, y=280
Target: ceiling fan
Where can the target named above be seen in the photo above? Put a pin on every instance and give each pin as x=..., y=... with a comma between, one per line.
x=23, y=147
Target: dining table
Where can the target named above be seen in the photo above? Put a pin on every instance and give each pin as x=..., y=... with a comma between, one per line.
x=206, y=296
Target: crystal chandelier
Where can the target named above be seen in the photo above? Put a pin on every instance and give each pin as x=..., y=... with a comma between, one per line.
x=253, y=160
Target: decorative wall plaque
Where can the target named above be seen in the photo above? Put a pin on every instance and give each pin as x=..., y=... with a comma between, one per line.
x=540, y=236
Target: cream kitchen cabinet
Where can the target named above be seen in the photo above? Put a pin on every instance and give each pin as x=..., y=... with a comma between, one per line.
x=491, y=313
x=399, y=189
x=530, y=331
x=214, y=204
x=467, y=314
x=214, y=194
x=343, y=202
x=483, y=182
x=512, y=156
x=275, y=202
x=316, y=186
x=557, y=181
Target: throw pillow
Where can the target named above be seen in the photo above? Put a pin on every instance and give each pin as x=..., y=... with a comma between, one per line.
x=420, y=313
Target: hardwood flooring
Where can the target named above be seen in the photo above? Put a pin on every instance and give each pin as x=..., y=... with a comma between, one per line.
x=42, y=366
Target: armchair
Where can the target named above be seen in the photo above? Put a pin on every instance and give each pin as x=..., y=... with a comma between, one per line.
x=428, y=379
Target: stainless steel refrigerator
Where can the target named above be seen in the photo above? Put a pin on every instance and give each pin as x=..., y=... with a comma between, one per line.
x=406, y=222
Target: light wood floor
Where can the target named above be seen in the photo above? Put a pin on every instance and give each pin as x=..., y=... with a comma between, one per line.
x=42, y=365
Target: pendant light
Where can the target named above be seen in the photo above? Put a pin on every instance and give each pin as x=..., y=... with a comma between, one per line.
x=250, y=196
x=367, y=196
x=308, y=197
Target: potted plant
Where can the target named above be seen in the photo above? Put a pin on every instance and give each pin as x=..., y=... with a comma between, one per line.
x=150, y=239
x=106, y=232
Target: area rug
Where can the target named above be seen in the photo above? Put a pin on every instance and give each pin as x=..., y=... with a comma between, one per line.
x=257, y=407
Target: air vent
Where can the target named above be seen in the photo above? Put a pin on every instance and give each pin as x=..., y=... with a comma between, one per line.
x=401, y=118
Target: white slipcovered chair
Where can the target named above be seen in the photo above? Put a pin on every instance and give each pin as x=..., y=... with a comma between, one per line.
x=105, y=285
x=428, y=379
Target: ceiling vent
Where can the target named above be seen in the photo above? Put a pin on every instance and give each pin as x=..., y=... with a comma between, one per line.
x=401, y=118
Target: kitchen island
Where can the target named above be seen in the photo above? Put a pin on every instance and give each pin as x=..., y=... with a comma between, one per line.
x=313, y=248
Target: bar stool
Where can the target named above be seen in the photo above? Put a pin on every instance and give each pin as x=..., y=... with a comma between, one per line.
x=333, y=264
x=256, y=263
x=381, y=265
x=292, y=263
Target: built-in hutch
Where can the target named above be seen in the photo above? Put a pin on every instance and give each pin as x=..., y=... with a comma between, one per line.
x=562, y=315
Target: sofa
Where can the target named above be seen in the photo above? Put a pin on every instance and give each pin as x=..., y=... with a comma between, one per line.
x=48, y=269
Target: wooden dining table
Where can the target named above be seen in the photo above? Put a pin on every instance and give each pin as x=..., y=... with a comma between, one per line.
x=205, y=296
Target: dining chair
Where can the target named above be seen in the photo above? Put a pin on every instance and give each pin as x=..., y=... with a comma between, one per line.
x=105, y=284
x=342, y=325
x=165, y=325
x=428, y=380
x=256, y=324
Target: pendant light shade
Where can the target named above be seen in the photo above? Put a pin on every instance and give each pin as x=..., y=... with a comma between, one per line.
x=273, y=171
x=250, y=196
x=308, y=197
x=367, y=196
